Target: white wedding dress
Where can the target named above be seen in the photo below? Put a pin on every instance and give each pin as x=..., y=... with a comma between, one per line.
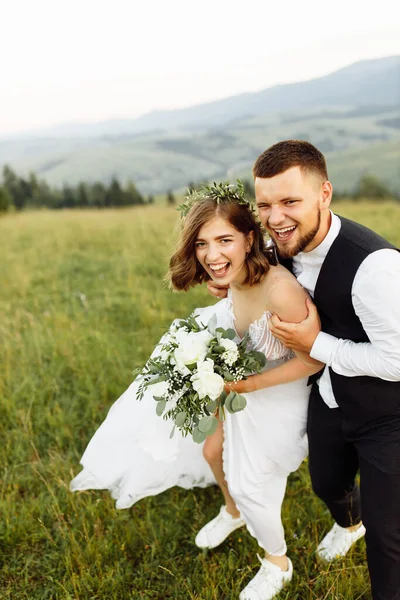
x=133, y=456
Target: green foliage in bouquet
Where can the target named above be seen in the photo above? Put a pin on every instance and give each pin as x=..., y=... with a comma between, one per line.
x=188, y=373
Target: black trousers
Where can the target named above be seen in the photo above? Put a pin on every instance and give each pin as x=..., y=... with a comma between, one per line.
x=334, y=461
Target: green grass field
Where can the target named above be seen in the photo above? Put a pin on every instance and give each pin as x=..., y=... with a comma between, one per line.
x=82, y=303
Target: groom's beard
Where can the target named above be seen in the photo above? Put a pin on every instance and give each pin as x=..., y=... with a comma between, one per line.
x=288, y=252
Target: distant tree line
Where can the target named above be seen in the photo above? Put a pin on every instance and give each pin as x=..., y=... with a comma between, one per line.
x=32, y=192
x=369, y=187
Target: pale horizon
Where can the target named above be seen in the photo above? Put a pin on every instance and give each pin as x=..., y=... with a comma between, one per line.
x=98, y=65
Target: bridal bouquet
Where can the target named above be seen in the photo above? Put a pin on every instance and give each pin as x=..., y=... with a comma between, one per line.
x=186, y=377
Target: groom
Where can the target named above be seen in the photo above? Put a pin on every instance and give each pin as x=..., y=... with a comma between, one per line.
x=353, y=276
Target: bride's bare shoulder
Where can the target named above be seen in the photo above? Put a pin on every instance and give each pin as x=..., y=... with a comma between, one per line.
x=280, y=276
x=284, y=295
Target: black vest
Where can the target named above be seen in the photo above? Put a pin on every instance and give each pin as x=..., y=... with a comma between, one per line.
x=363, y=400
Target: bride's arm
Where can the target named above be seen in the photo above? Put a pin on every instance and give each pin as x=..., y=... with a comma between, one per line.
x=289, y=371
x=287, y=299
x=307, y=360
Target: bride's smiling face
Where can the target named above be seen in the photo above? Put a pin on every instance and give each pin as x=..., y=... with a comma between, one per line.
x=221, y=250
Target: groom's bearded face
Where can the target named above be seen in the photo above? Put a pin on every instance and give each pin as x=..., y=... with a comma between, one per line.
x=289, y=208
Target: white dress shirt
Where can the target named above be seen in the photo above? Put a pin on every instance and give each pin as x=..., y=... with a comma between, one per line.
x=376, y=301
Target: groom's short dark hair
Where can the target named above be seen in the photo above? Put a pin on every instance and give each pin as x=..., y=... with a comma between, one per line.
x=287, y=154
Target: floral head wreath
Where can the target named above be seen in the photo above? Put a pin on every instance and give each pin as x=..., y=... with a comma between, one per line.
x=222, y=193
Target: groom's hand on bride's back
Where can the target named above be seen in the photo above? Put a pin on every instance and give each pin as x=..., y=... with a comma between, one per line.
x=219, y=291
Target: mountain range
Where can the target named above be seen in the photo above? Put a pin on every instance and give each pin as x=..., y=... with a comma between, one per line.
x=352, y=115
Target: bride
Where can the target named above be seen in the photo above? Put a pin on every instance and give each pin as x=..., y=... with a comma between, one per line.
x=132, y=454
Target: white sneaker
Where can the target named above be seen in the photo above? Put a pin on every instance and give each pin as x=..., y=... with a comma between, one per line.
x=338, y=542
x=268, y=582
x=217, y=530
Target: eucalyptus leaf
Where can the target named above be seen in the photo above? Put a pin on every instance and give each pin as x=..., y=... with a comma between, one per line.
x=227, y=376
x=171, y=435
x=229, y=399
x=223, y=395
x=238, y=403
x=229, y=334
x=208, y=425
x=198, y=436
x=260, y=358
x=212, y=406
x=180, y=418
x=212, y=324
x=161, y=407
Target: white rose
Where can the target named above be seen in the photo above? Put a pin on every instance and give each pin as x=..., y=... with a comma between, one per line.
x=231, y=353
x=180, y=335
x=206, y=382
x=204, y=335
x=159, y=389
x=228, y=344
x=192, y=348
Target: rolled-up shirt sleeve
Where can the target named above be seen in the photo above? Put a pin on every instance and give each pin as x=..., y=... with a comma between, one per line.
x=376, y=301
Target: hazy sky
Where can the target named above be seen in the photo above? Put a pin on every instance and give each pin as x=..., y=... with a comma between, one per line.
x=88, y=60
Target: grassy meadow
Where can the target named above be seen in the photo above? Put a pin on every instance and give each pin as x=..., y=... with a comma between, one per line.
x=82, y=303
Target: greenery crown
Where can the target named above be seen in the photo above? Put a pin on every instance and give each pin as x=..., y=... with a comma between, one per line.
x=222, y=193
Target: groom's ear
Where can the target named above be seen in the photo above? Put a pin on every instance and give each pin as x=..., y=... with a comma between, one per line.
x=326, y=194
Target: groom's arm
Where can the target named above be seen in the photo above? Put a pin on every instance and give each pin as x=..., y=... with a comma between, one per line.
x=376, y=301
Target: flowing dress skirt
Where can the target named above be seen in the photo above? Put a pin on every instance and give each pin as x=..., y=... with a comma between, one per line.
x=133, y=456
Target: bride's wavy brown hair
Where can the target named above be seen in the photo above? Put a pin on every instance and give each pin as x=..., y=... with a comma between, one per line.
x=185, y=271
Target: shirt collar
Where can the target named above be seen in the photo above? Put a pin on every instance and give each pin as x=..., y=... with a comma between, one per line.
x=323, y=248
